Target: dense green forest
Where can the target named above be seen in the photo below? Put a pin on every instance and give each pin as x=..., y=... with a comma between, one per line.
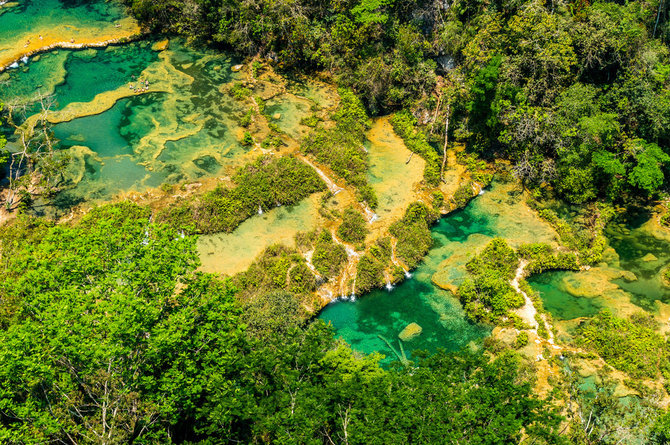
x=575, y=94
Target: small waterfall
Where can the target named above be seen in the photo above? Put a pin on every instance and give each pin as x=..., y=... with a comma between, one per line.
x=24, y=59
x=408, y=274
x=481, y=192
x=260, y=210
x=181, y=234
x=389, y=287
x=14, y=65
x=371, y=216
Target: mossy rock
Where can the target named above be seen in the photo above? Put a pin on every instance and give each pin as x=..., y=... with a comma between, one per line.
x=410, y=332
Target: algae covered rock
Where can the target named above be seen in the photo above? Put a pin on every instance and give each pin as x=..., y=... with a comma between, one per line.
x=649, y=258
x=236, y=68
x=410, y=332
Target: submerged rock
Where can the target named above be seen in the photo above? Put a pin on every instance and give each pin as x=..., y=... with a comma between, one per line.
x=161, y=45
x=410, y=332
x=649, y=258
x=276, y=116
x=628, y=276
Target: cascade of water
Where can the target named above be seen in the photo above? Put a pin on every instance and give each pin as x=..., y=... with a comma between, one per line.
x=389, y=286
x=408, y=274
x=260, y=210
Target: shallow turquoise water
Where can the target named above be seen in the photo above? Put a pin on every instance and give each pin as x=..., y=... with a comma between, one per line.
x=558, y=302
x=644, y=255
x=92, y=72
x=415, y=300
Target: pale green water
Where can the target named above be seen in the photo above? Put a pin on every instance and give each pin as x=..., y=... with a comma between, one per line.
x=148, y=139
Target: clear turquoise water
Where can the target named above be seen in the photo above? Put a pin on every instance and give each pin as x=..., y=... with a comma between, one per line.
x=415, y=300
x=560, y=303
x=134, y=141
x=632, y=243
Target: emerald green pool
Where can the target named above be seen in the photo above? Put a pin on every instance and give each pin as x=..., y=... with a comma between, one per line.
x=416, y=300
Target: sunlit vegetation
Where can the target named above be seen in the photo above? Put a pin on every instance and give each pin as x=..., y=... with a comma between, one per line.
x=328, y=256
x=632, y=345
x=263, y=184
x=113, y=334
x=277, y=268
x=353, y=228
x=404, y=125
x=412, y=233
x=542, y=257
x=487, y=294
x=341, y=147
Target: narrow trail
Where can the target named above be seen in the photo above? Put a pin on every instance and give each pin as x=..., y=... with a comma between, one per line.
x=528, y=312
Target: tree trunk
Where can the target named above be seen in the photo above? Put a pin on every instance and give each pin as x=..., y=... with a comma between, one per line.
x=446, y=142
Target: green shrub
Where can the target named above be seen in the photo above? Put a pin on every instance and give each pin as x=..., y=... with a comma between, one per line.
x=369, y=274
x=341, y=147
x=328, y=256
x=247, y=139
x=630, y=345
x=404, y=125
x=310, y=121
x=265, y=183
x=277, y=268
x=521, y=340
x=487, y=294
x=541, y=326
x=239, y=91
x=463, y=195
x=245, y=120
x=412, y=233
x=541, y=257
x=353, y=228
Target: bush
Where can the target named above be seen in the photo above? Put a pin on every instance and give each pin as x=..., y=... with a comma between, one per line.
x=353, y=228
x=266, y=183
x=630, y=345
x=487, y=294
x=542, y=257
x=412, y=233
x=369, y=274
x=463, y=195
x=341, y=147
x=328, y=256
x=521, y=340
x=404, y=125
x=277, y=268
x=239, y=92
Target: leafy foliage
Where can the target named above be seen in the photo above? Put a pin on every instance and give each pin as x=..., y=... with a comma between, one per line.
x=353, y=228
x=328, y=256
x=265, y=183
x=488, y=295
x=631, y=345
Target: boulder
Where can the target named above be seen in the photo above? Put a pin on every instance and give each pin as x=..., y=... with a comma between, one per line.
x=410, y=332
x=276, y=116
x=236, y=68
x=649, y=258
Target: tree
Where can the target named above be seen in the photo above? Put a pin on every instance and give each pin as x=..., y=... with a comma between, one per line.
x=114, y=337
